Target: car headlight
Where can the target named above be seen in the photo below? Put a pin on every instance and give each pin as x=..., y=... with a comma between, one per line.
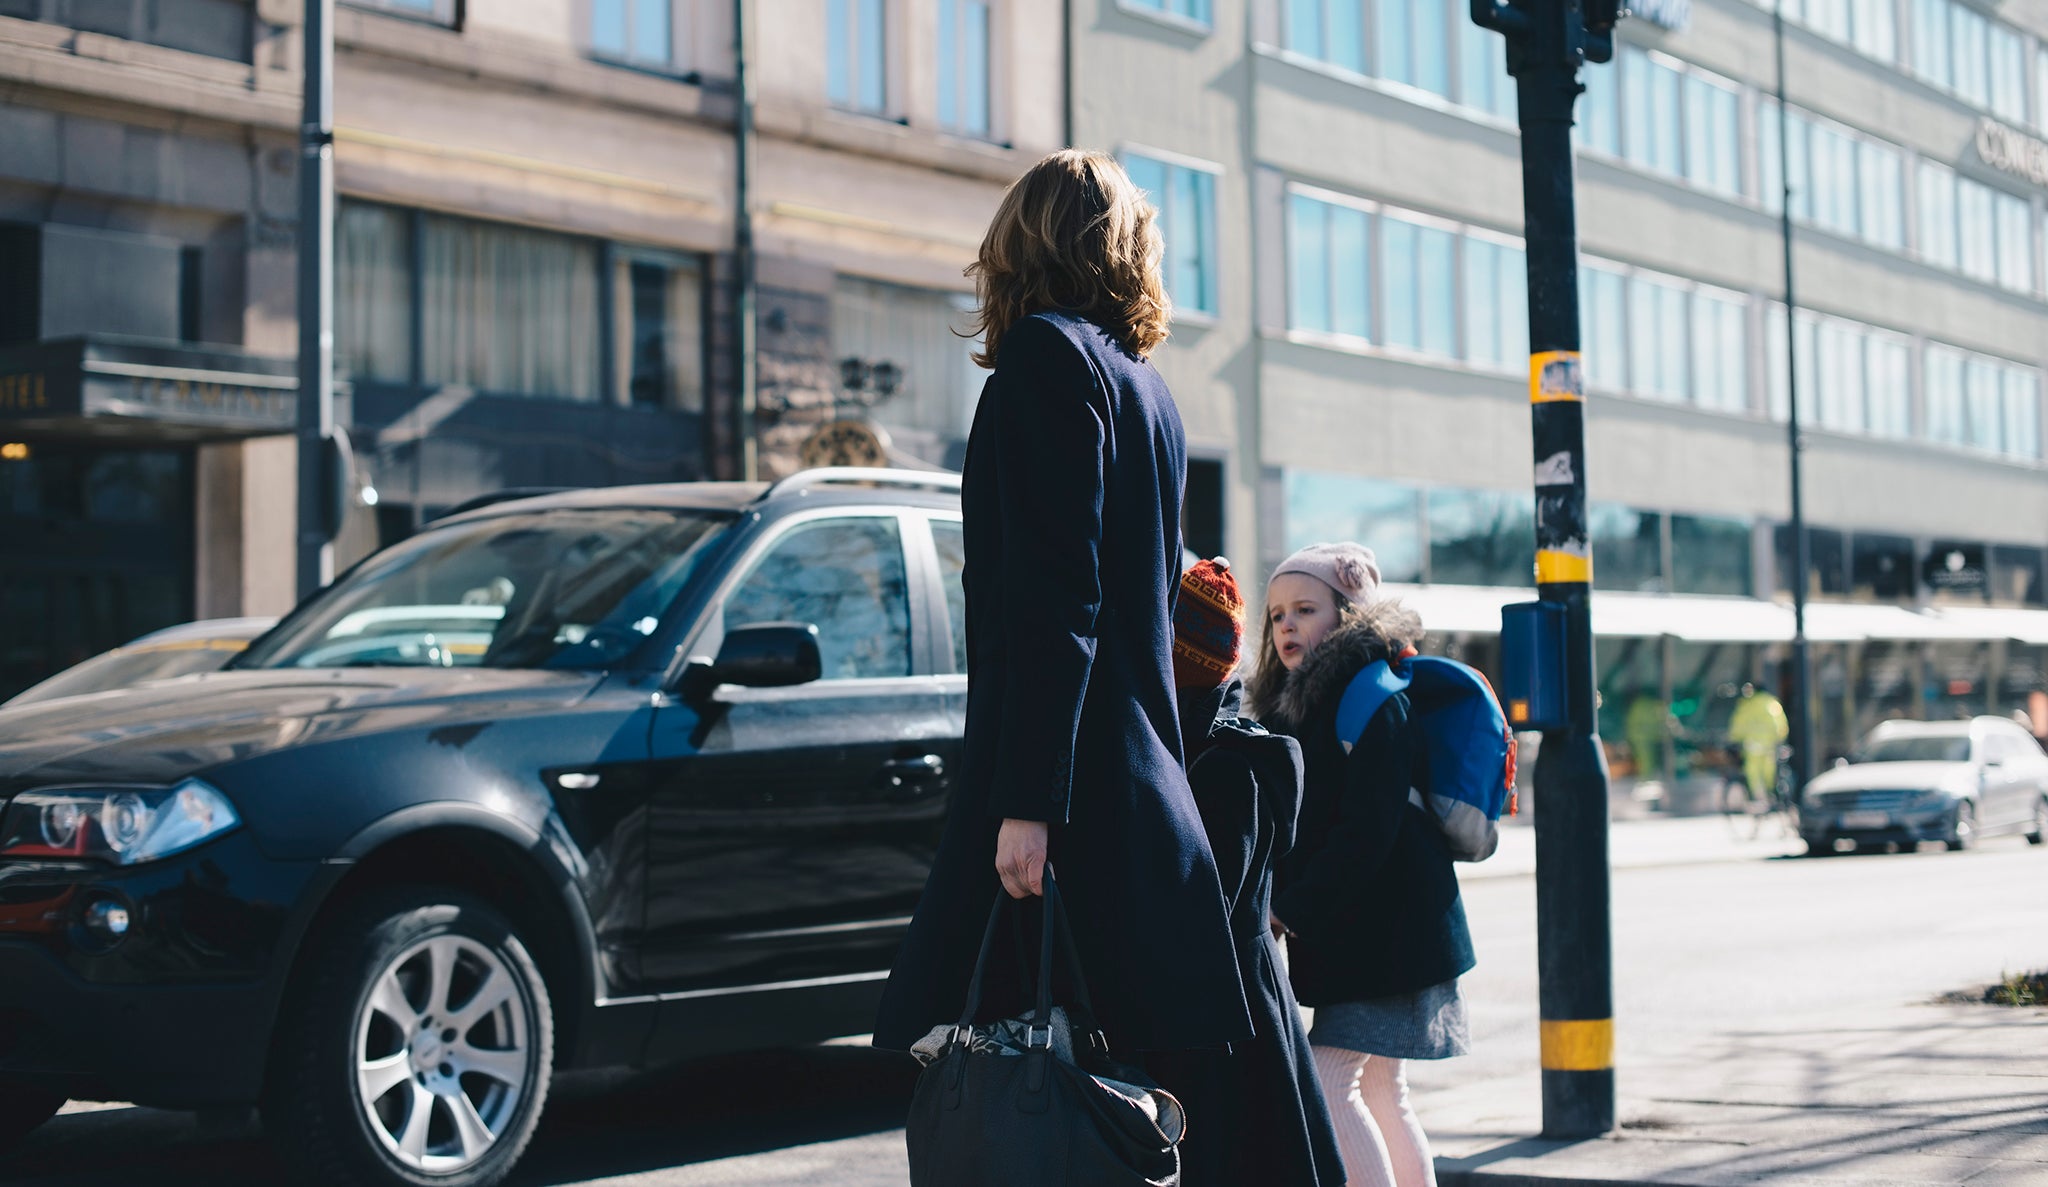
x=123, y=825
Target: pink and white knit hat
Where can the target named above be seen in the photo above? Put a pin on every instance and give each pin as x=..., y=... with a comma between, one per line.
x=1350, y=569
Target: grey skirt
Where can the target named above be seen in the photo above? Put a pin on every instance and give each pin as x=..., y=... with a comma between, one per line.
x=1429, y=1024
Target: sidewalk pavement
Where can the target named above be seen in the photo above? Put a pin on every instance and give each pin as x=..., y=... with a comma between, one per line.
x=1931, y=1094
x=1642, y=844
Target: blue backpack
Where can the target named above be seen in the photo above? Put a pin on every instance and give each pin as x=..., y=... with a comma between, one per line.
x=1467, y=764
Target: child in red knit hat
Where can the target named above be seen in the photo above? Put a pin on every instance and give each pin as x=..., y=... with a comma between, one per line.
x=1269, y=1121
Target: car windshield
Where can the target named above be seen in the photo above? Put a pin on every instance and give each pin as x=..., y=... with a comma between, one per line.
x=562, y=588
x=1925, y=748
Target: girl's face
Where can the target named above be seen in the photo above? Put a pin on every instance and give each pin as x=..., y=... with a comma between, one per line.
x=1302, y=610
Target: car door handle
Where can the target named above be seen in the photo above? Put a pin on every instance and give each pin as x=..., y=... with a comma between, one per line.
x=913, y=770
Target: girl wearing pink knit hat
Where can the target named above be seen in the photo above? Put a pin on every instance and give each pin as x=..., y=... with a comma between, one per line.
x=1368, y=898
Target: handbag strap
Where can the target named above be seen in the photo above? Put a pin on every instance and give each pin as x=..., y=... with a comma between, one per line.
x=1055, y=924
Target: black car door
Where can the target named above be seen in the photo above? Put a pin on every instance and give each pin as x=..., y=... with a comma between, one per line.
x=790, y=829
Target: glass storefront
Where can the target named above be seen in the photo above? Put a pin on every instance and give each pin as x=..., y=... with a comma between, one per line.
x=95, y=548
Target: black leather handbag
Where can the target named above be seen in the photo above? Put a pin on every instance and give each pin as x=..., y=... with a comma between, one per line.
x=994, y=1111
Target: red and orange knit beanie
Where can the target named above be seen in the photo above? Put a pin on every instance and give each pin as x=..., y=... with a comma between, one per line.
x=1208, y=625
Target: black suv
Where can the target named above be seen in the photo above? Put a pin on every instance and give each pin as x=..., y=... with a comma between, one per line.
x=483, y=809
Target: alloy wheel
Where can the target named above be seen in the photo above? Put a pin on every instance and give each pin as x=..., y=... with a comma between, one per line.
x=443, y=1053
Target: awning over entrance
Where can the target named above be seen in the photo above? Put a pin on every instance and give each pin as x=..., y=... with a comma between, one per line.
x=102, y=386
x=1472, y=609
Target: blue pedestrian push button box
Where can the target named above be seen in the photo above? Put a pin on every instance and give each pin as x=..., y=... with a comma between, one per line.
x=1532, y=666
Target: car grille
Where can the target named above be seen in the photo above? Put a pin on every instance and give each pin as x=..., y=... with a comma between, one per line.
x=1869, y=801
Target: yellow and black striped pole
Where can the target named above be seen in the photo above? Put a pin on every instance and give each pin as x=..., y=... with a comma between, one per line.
x=1548, y=41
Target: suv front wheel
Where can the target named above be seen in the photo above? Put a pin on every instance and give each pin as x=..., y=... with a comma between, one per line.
x=420, y=1049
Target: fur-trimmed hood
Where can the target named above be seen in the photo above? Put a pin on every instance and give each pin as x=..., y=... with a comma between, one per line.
x=1376, y=631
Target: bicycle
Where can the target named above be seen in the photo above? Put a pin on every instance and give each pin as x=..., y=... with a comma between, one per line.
x=1747, y=813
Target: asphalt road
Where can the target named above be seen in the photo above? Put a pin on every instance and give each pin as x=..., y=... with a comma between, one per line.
x=1716, y=941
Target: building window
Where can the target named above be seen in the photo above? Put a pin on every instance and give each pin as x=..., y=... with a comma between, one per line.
x=1985, y=233
x=1881, y=187
x=1186, y=198
x=1880, y=567
x=1651, y=129
x=857, y=54
x=640, y=32
x=1656, y=338
x=2041, y=88
x=1665, y=116
x=929, y=403
x=1481, y=537
x=1978, y=402
x=1483, y=80
x=1193, y=10
x=1384, y=516
x=2016, y=575
x=1605, y=336
x=1710, y=556
x=1418, y=283
x=1978, y=60
x=1889, y=385
x=441, y=12
x=372, y=292
x=1414, y=46
x=2008, y=74
x=1628, y=548
x=1720, y=351
x=1842, y=180
x=1496, y=305
x=2023, y=413
x=508, y=311
x=1331, y=268
x=1330, y=31
x=660, y=325
x=964, y=66
x=1937, y=239
x=1713, y=138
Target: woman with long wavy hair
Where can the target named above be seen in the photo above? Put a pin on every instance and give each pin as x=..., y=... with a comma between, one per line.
x=1071, y=497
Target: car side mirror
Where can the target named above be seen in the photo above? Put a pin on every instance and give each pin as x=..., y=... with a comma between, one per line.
x=764, y=655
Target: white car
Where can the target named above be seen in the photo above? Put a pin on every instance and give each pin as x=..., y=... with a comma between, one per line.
x=1948, y=781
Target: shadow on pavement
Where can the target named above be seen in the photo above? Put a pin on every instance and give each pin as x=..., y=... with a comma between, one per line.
x=691, y=1113
x=719, y=1108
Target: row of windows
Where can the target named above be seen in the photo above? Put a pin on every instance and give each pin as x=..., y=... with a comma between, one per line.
x=1384, y=276
x=1371, y=273
x=857, y=59
x=1449, y=536
x=434, y=299
x=1672, y=118
x=1952, y=45
x=650, y=34
x=1452, y=536
x=1431, y=45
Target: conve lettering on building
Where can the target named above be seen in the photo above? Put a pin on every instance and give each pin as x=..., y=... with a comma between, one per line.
x=2009, y=150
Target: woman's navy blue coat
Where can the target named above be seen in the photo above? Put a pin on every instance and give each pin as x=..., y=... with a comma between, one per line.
x=1071, y=497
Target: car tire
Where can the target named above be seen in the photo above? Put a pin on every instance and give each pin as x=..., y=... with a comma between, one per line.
x=22, y=1110
x=2039, y=831
x=1820, y=847
x=418, y=1047
x=1962, y=830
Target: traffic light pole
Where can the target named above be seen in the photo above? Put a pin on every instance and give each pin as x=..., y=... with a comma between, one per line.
x=1547, y=43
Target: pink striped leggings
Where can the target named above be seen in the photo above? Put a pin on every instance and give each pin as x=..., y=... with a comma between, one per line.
x=1377, y=1131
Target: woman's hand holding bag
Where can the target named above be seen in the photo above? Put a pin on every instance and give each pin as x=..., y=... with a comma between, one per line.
x=1004, y=1106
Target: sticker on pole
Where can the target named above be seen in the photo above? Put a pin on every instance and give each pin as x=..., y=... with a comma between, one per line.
x=1556, y=375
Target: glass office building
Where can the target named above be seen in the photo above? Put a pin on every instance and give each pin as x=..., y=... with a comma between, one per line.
x=1363, y=371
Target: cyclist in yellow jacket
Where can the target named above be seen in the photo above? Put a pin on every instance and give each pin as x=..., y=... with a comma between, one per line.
x=1759, y=727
